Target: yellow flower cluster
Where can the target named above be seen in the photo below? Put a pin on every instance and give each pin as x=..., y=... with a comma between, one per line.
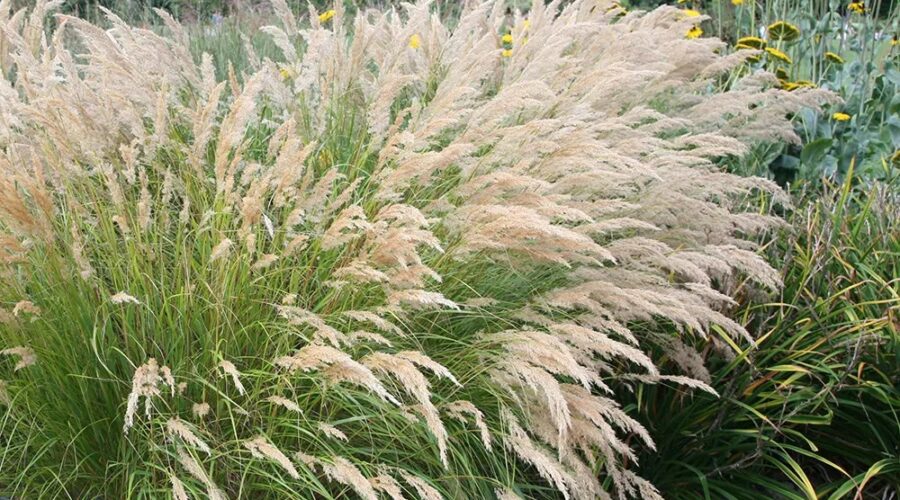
x=696, y=31
x=783, y=30
x=840, y=117
x=778, y=31
x=831, y=56
x=415, y=41
x=506, y=42
x=752, y=42
x=799, y=84
x=857, y=7
x=326, y=16
x=777, y=54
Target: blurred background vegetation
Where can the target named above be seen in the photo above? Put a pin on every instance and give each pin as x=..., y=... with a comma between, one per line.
x=813, y=410
x=848, y=47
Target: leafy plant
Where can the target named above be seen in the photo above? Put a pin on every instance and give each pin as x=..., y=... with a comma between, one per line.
x=811, y=410
x=848, y=51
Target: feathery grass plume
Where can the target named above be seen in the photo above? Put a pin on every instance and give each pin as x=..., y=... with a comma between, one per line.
x=519, y=443
x=422, y=488
x=178, y=491
x=25, y=306
x=387, y=485
x=145, y=383
x=4, y=393
x=230, y=370
x=331, y=431
x=519, y=227
x=343, y=471
x=506, y=494
x=284, y=402
x=221, y=250
x=299, y=316
x=377, y=338
x=419, y=358
x=417, y=386
x=123, y=298
x=378, y=321
x=177, y=427
x=264, y=261
x=260, y=447
x=200, y=410
x=459, y=409
x=191, y=465
x=7, y=318
x=26, y=355
x=338, y=367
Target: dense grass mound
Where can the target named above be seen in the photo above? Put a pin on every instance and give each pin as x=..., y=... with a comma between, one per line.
x=402, y=261
x=811, y=410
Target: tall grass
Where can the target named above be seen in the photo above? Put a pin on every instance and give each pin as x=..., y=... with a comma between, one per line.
x=409, y=258
x=811, y=411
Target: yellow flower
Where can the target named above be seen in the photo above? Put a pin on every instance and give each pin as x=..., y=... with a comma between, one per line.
x=507, y=38
x=737, y=2
x=857, y=7
x=744, y=46
x=506, y=53
x=840, y=117
x=694, y=32
x=777, y=54
x=789, y=86
x=796, y=85
x=415, y=41
x=782, y=30
x=326, y=16
x=752, y=41
x=690, y=13
x=831, y=56
x=285, y=74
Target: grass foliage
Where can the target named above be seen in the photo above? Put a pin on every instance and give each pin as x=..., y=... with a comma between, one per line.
x=811, y=412
x=403, y=254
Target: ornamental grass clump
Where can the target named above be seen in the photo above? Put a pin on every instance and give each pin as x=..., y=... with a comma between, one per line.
x=371, y=267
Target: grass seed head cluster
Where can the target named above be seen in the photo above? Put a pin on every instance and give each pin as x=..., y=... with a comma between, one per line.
x=373, y=265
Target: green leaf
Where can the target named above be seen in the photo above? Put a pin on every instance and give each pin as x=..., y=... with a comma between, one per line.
x=858, y=482
x=815, y=151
